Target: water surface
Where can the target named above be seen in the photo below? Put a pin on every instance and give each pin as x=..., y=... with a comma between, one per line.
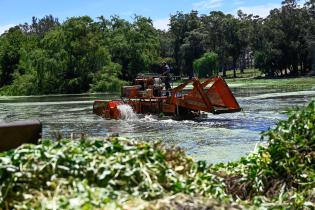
x=214, y=138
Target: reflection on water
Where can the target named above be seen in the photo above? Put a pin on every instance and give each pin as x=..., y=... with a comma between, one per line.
x=214, y=138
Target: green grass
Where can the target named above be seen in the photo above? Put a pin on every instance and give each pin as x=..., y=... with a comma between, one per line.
x=251, y=78
x=248, y=73
x=300, y=83
x=289, y=84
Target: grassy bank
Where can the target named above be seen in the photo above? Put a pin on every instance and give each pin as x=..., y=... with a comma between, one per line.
x=300, y=83
x=119, y=173
x=248, y=73
x=251, y=79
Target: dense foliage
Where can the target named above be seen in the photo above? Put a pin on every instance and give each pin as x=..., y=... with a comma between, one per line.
x=76, y=56
x=85, y=173
x=282, y=174
x=82, y=54
x=207, y=65
x=121, y=173
x=280, y=44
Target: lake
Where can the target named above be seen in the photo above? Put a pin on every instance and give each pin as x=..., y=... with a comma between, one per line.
x=214, y=138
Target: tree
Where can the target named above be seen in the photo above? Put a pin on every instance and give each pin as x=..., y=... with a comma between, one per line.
x=216, y=41
x=207, y=65
x=10, y=45
x=107, y=79
x=84, y=54
x=166, y=40
x=134, y=46
x=285, y=41
x=192, y=48
x=310, y=7
x=40, y=27
x=244, y=33
x=231, y=26
x=181, y=27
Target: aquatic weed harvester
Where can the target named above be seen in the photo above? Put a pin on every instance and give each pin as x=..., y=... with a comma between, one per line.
x=148, y=97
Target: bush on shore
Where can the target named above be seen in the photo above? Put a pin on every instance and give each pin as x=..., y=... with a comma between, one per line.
x=119, y=173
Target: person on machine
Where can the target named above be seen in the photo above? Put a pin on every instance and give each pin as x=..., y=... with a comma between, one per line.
x=167, y=77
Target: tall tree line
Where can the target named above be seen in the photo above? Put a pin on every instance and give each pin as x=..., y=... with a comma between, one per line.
x=280, y=44
x=76, y=56
x=82, y=54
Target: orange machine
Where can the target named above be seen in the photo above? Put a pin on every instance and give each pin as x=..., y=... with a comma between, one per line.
x=213, y=96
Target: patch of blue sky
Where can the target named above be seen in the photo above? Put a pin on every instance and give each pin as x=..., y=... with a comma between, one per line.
x=14, y=12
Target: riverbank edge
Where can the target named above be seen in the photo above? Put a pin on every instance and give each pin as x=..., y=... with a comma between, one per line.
x=297, y=83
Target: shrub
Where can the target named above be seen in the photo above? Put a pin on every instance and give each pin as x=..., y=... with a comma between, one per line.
x=207, y=65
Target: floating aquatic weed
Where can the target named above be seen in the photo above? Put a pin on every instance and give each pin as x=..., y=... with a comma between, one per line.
x=283, y=172
x=58, y=173
x=119, y=173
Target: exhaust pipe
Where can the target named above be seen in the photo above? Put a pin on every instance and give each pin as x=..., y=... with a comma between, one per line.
x=14, y=134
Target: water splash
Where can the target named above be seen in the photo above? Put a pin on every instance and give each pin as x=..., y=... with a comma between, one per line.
x=127, y=112
x=150, y=118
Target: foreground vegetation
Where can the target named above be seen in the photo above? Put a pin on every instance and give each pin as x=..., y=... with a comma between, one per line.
x=125, y=174
x=82, y=54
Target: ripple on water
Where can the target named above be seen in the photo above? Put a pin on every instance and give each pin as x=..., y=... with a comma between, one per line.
x=214, y=138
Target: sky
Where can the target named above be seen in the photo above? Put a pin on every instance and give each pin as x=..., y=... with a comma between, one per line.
x=13, y=12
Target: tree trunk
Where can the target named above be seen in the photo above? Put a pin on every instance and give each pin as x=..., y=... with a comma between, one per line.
x=224, y=72
x=243, y=63
x=234, y=68
x=303, y=70
x=296, y=70
x=242, y=70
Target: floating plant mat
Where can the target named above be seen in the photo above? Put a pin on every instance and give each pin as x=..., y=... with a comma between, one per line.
x=235, y=134
x=292, y=84
x=120, y=173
